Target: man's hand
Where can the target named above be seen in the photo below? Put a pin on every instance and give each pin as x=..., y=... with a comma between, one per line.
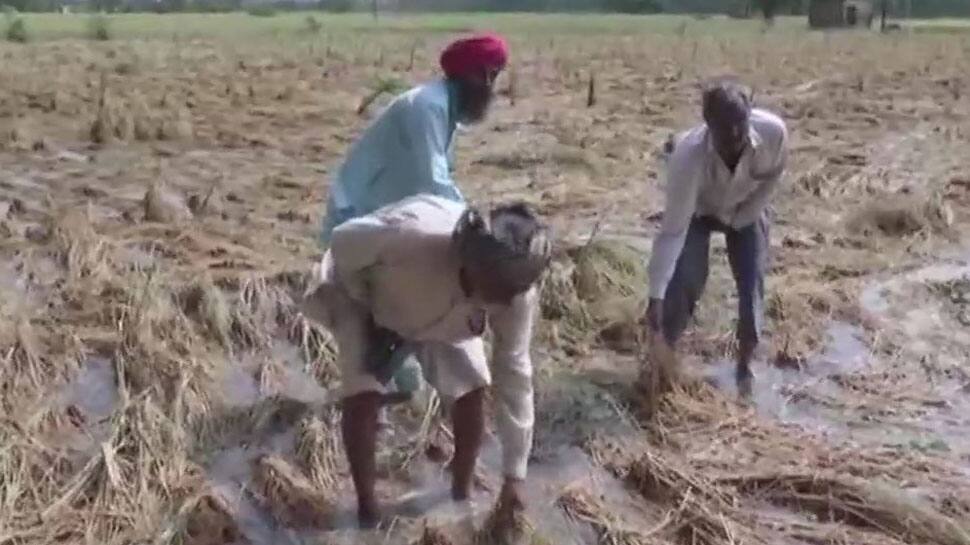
x=381, y=344
x=510, y=499
x=506, y=526
x=653, y=319
x=317, y=303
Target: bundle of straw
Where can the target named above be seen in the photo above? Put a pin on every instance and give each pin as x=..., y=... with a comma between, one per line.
x=659, y=373
x=853, y=501
x=291, y=499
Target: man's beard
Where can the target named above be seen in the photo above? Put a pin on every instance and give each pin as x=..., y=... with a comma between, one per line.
x=477, y=108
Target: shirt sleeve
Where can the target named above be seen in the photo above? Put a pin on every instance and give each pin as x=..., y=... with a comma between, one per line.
x=767, y=182
x=357, y=245
x=682, y=187
x=428, y=128
x=512, y=373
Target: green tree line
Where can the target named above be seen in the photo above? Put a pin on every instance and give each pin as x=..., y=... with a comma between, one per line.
x=914, y=8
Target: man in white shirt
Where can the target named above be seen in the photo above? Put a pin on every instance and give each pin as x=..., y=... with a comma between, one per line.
x=721, y=176
x=424, y=276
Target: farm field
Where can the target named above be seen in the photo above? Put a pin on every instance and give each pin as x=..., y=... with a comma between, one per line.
x=161, y=192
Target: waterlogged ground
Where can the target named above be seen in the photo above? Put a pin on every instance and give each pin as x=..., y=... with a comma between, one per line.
x=159, y=201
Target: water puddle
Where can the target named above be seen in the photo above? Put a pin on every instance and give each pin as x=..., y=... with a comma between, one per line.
x=88, y=401
x=282, y=373
x=915, y=304
x=927, y=313
x=915, y=398
x=13, y=295
x=427, y=499
x=94, y=391
x=137, y=258
x=413, y=497
x=230, y=474
x=15, y=183
x=776, y=392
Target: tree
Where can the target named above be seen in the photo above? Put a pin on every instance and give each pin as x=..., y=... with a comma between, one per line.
x=769, y=8
x=106, y=6
x=633, y=6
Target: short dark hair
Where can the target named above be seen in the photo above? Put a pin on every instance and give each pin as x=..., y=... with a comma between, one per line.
x=514, y=244
x=724, y=95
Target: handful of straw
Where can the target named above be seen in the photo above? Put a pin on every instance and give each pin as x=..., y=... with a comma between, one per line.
x=507, y=527
x=660, y=371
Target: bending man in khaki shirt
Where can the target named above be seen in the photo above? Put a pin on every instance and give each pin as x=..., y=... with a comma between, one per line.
x=721, y=176
x=424, y=276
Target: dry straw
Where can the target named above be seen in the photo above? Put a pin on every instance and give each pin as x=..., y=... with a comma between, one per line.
x=582, y=507
x=592, y=289
x=318, y=449
x=433, y=536
x=862, y=503
x=291, y=499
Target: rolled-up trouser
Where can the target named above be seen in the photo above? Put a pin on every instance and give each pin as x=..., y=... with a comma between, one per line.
x=747, y=249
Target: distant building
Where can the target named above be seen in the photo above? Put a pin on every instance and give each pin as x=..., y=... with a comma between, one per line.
x=840, y=13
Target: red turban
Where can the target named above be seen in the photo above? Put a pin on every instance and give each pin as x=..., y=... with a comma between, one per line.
x=475, y=54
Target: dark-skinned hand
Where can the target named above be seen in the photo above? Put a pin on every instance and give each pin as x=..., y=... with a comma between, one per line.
x=653, y=319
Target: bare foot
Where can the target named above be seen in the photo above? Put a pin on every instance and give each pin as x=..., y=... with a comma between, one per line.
x=745, y=382
x=369, y=517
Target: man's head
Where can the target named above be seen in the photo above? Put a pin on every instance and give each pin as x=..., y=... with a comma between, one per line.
x=474, y=64
x=504, y=256
x=727, y=112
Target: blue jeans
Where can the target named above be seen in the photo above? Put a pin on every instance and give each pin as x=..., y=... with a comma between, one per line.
x=747, y=250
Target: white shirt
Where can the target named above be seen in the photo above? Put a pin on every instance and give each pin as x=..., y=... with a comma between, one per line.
x=700, y=184
x=399, y=262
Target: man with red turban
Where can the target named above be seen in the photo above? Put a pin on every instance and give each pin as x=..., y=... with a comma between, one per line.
x=405, y=151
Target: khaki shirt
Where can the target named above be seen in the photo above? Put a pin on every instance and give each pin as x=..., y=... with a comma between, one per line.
x=399, y=263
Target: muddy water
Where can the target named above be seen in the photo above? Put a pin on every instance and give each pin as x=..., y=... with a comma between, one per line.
x=230, y=474
x=927, y=409
x=428, y=500
x=15, y=299
x=421, y=493
x=930, y=326
x=775, y=391
x=94, y=390
x=239, y=387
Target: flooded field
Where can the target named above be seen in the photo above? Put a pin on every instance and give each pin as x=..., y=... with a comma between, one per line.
x=160, y=198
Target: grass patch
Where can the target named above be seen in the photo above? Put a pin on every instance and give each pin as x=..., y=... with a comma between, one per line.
x=268, y=23
x=17, y=31
x=262, y=11
x=383, y=86
x=312, y=25
x=99, y=28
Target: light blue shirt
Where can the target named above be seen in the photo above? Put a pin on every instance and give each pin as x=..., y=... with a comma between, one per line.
x=404, y=152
